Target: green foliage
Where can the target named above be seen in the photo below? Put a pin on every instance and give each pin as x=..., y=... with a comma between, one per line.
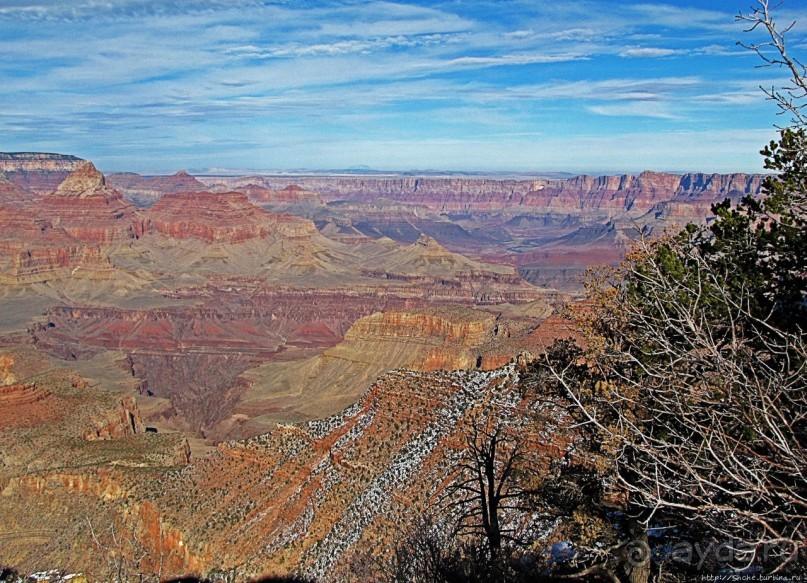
x=760, y=245
x=690, y=393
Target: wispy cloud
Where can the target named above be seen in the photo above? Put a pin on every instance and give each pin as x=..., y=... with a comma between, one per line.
x=298, y=80
x=683, y=17
x=648, y=52
x=341, y=47
x=511, y=60
x=633, y=109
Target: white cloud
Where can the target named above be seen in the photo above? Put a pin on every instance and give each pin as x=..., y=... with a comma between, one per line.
x=519, y=34
x=512, y=60
x=149, y=76
x=633, y=109
x=615, y=89
x=648, y=52
x=682, y=17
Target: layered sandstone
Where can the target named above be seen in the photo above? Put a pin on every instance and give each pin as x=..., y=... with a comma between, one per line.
x=38, y=172
x=212, y=217
x=639, y=193
x=34, y=250
x=623, y=192
x=146, y=190
x=13, y=195
x=291, y=195
x=308, y=498
x=90, y=211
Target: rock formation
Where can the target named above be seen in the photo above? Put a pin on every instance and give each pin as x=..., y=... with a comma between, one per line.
x=90, y=211
x=144, y=335
x=475, y=194
x=34, y=250
x=37, y=172
x=211, y=217
x=542, y=226
x=146, y=190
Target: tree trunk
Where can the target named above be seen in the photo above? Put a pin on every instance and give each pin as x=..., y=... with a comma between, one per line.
x=637, y=564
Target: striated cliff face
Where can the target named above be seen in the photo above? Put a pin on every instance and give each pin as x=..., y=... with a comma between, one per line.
x=449, y=326
x=582, y=192
x=308, y=498
x=291, y=195
x=639, y=193
x=33, y=250
x=434, y=339
x=12, y=194
x=62, y=234
x=90, y=211
x=33, y=161
x=37, y=172
x=215, y=218
x=144, y=191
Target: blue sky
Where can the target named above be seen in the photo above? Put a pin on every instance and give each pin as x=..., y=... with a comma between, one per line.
x=581, y=86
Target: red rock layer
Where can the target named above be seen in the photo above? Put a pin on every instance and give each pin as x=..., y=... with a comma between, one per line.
x=90, y=211
x=34, y=250
x=12, y=194
x=146, y=190
x=292, y=194
x=179, y=182
x=37, y=172
x=210, y=217
x=624, y=193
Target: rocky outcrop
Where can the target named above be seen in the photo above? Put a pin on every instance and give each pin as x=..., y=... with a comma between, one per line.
x=217, y=218
x=428, y=339
x=628, y=193
x=291, y=195
x=439, y=326
x=116, y=423
x=40, y=173
x=624, y=193
x=308, y=497
x=144, y=191
x=90, y=211
x=12, y=194
x=34, y=250
x=23, y=395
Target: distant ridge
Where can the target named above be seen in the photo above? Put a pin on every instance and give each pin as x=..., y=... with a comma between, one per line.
x=37, y=172
x=37, y=156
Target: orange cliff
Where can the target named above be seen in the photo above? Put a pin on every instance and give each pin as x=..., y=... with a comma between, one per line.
x=36, y=172
x=309, y=498
x=90, y=211
x=431, y=339
x=219, y=218
x=619, y=193
x=63, y=234
x=34, y=250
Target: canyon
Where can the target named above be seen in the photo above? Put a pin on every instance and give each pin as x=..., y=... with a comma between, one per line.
x=250, y=375
x=549, y=229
